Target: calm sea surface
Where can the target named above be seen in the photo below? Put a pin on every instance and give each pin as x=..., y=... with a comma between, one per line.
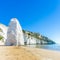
x=50, y=47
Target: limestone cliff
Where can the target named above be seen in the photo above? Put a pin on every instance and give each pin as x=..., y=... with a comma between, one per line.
x=29, y=37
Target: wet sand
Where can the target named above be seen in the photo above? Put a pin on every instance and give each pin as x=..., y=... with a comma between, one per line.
x=27, y=53
x=43, y=54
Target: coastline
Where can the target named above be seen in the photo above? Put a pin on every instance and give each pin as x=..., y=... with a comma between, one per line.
x=44, y=54
x=27, y=53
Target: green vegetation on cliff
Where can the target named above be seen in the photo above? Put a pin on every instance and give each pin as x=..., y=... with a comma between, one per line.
x=39, y=37
x=1, y=37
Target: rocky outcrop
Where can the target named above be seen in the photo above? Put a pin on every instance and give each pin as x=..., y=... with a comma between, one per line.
x=3, y=35
x=14, y=33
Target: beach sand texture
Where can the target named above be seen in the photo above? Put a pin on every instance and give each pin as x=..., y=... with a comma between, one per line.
x=43, y=54
x=15, y=53
x=27, y=53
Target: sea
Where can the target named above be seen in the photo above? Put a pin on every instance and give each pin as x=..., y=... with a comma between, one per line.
x=55, y=47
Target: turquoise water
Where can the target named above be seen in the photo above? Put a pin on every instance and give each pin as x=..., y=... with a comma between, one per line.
x=50, y=47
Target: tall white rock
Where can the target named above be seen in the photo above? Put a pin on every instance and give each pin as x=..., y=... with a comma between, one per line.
x=14, y=33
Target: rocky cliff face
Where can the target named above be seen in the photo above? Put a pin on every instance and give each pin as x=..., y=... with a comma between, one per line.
x=29, y=37
x=3, y=35
x=36, y=38
x=14, y=33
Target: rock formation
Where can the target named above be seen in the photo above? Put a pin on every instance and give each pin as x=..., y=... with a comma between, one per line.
x=14, y=34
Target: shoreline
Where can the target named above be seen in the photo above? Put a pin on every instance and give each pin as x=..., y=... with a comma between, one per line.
x=27, y=53
x=44, y=54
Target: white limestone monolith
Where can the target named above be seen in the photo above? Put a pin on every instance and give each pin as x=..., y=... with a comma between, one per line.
x=14, y=33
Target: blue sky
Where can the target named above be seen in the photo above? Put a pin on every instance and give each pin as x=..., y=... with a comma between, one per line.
x=42, y=16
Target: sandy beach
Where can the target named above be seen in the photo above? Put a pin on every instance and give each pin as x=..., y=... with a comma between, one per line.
x=27, y=53
x=15, y=53
x=43, y=54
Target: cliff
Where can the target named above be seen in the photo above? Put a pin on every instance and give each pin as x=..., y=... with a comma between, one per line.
x=29, y=37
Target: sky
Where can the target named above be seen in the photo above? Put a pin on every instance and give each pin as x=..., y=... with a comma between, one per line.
x=41, y=16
